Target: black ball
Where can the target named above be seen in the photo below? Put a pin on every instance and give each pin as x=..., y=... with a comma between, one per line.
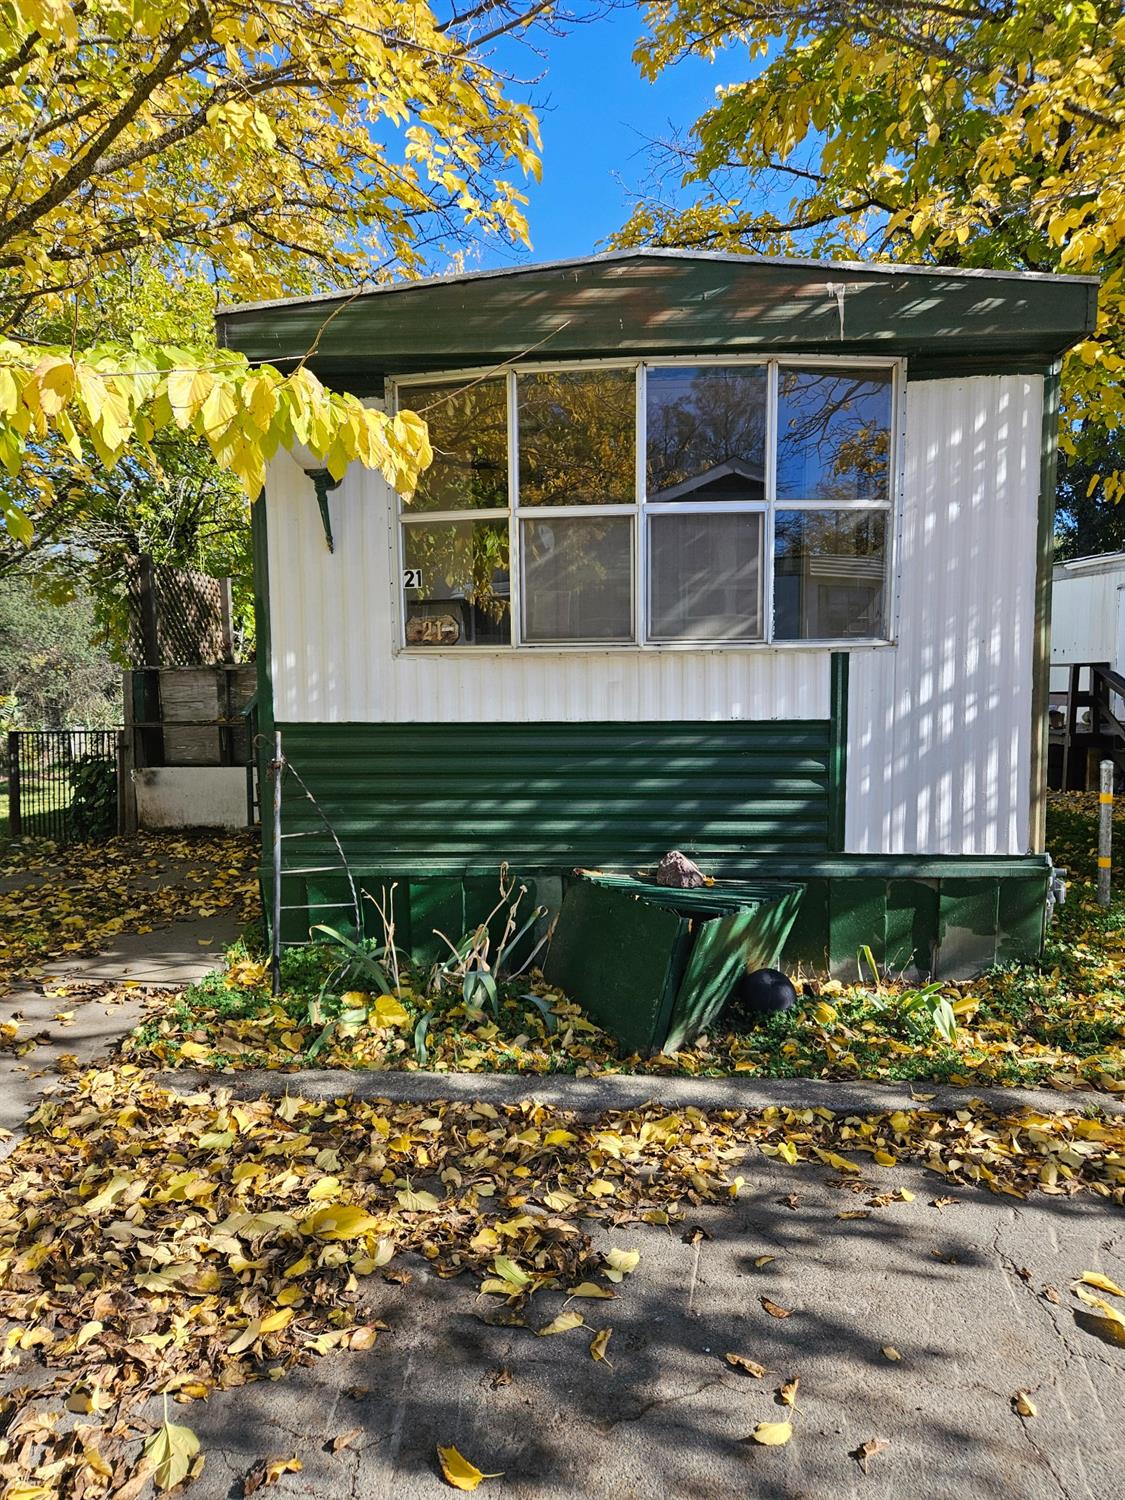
x=766, y=992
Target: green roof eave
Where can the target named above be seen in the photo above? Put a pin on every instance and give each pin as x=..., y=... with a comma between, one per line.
x=663, y=303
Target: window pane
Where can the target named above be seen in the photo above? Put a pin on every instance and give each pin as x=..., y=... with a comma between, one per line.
x=833, y=435
x=456, y=583
x=577, y=437
x=469, y=435
x=577, y=579
x=706, y=433
x=828, y=573
x=705, y=572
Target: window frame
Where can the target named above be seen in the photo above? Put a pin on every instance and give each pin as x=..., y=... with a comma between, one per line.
x=641, y=509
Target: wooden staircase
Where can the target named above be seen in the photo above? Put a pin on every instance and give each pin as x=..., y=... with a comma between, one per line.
x=1084, y=745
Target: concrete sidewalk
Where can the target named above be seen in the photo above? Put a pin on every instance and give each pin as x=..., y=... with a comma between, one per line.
x=956, y=1290
x=165, y=958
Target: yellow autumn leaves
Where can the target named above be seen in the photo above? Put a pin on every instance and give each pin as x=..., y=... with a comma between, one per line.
x=79, y=899
x=772, y=1434
x=458, y=1471
x=234, y=1229
x=293, y=148
x=1108, y=1319
x=1062, y=1026
x=977, y=136
x=116, y=398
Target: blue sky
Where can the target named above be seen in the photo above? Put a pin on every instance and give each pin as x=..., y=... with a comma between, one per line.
x=596, y=113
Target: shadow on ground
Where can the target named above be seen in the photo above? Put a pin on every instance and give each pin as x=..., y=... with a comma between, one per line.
x=956, y=1290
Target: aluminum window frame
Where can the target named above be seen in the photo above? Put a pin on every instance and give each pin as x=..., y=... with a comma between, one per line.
x=641, y=509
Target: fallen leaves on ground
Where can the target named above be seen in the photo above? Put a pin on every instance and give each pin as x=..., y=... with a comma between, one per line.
x=1069, y=1041
x=564, y=1323
x=76, y=900
x=600, y=1342
x=160, y=1242
x=745, y=1366
x=172, y=1453
x=772, y=1434
x=869, y=1450
x=1103, y=1283
x=774, y=1309
x=269, y=1471
x=458, y=1471
x=1059, y=1023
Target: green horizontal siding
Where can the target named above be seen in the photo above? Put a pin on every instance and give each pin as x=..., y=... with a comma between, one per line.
x=557, y=794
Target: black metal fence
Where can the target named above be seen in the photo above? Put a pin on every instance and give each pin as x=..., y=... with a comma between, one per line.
x=63, y=783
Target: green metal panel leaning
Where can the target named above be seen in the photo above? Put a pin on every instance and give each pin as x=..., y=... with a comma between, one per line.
x=745, y=557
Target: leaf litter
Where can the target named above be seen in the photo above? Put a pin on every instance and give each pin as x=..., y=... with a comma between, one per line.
x=161, y=1242
x=1058, y=1024
x=77, y=900
x=156, y=1242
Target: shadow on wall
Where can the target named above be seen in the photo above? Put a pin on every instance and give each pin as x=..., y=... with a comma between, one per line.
x=940, y=728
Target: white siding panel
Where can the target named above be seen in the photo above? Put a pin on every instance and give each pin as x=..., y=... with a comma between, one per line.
x=333, y=631
x=939, y=729
x=1085, y=620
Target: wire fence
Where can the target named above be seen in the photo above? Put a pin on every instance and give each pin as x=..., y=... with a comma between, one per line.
x=63, y=784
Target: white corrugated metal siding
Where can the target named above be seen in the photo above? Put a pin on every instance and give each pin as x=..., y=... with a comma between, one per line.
x=1085, y=615
x=939, y=732
x=331, y=623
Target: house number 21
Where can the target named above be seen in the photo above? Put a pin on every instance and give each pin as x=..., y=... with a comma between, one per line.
x=412, y=578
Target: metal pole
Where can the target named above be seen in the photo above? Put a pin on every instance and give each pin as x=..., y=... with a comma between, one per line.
x=277, y=768
x=1105, y=832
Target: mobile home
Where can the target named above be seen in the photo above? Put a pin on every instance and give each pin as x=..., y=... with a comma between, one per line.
x=745, y=557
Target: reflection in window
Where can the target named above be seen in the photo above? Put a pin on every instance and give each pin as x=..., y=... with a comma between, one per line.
x=706, y=437
x=577, y=437
x=706, y=576
x=469, y=433
x=577, y=578
x=833, y=435
x=828, y=574
x=456, y=583
x=693, y=557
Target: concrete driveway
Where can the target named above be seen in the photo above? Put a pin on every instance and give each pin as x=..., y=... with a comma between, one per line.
x=956, y=1290
x=973, y=1295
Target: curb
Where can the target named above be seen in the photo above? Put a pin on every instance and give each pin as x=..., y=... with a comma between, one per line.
x=624, y=1091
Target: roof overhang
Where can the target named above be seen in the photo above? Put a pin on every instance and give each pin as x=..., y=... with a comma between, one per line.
x=1089, y=567
x=669, y=302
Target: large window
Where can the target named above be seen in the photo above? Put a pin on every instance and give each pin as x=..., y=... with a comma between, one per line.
x=654, y=504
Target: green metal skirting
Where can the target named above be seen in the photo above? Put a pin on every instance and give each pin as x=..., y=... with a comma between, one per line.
x=952, y=925
x=656, y=966
x=957, y=922
x=437, y=807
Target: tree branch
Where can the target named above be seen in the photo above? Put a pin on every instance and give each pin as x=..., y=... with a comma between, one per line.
x=86, y=164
